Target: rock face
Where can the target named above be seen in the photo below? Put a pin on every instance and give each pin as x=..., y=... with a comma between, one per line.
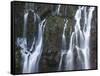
x=93, y=41
x=50, y=58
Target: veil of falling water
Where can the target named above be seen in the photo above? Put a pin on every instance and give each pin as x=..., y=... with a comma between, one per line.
x=79, y=39
x=58, y=9
x=82, y=36
x=32, y=56
x=63, y=50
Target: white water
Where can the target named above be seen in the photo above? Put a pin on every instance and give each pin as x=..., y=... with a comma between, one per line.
x=32, y=56
x=82, y=44
x=80, y=39
x=63, y=50
x=58, y=9
x=70, y=55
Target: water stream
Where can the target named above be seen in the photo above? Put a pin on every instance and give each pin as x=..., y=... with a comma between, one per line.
x=79, y=42
x=32, y=56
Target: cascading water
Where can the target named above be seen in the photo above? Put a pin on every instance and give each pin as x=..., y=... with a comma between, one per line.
x=79, y=40
x=32, y=56
x=63, y=49
x=58, y=9
x=78, y=44
x=70, y=55
x=83, y=36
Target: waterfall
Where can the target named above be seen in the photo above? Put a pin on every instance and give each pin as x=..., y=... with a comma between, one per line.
x=82, y=43
x=63, y=49
x=79, y=37
x=79, y=40
x=58, y=9
x=32, y=56
x=35, y=56
x=69, y=56
x=25, y=24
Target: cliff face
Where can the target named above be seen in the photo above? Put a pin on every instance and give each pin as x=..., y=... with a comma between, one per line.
x=52, y=42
